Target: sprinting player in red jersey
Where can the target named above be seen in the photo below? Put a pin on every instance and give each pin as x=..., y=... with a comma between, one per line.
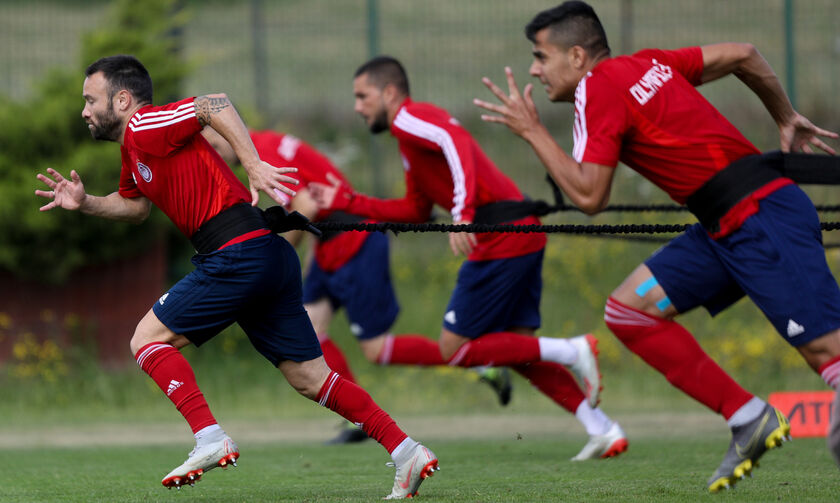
x=494, y=310
x=244, y=272
x=347, y=269
x=758, y=235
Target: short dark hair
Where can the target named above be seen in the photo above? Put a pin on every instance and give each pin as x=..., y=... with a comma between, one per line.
x=124, y=72
x=571, y=23
x=384, y=70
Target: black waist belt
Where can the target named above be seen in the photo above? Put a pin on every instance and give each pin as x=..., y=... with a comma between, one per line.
x=812, y=168
x=228, y=224
x=732, y=184
x=500, y=212
x=509, y=211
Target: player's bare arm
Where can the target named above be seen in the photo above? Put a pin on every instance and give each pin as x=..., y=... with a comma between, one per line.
x=70, y=195
x=220, y=145
x=586, y=184
x=796, y=132
x=216, y=111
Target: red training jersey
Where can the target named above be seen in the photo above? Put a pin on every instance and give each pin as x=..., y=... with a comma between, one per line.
x=282, y=150
x=644, y=111
x=165, y=160
x=444, y=165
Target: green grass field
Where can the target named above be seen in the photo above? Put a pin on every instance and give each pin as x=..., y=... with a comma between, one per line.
x=669, y=460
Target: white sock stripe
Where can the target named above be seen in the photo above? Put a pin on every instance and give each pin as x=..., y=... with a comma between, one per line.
x=831, y=375
x=459, y=355
x=387, y=350
x=142, y=357
x=618, y=309
x=620, y=315
x=628, y=321
x=332, y=378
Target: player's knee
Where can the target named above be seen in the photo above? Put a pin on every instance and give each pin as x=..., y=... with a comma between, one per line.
x=139, y=340
x=372, y=348
x=306, y=377
x=134, y=345
x=449, y=343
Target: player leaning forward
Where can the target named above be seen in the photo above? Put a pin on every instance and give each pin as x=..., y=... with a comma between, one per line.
x=759, y=236
x=244, y=272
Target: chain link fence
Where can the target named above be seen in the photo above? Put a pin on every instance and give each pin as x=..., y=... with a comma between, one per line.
x=289, y=63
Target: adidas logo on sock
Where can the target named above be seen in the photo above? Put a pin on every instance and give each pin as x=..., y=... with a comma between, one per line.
x=794, y=328
x=173, y=385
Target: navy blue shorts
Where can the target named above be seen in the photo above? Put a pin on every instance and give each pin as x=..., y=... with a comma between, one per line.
x=496, y=295
x=776, y=258
x=256, y=283
x=362, y=286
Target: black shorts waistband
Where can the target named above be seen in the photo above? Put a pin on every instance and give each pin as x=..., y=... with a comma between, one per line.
x=226, y=225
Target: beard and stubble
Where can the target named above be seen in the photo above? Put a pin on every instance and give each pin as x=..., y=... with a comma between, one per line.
x=105, y=126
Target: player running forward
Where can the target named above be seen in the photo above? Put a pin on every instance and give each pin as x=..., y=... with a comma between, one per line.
x=494, y=311
x=244, y=272
x=347, y=269
x=759, y=233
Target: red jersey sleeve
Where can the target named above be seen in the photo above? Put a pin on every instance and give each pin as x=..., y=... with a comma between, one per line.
x=415, y=207
x=687, y=61
x=601, y=120
x=161, y=130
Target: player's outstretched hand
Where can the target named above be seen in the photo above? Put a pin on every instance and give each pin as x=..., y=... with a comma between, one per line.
x=462, y=242
x=335, y=195
x=64, y=193
x=800, y=135
x=516, y=111
x=262, y=176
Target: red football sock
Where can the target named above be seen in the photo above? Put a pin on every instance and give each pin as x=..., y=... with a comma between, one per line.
x=500, y=349
x=173, y=374
x=554, y=381
x=335, y=358
x=354, y=404
x=669, y=348
x=830, y=372
x=409, y=350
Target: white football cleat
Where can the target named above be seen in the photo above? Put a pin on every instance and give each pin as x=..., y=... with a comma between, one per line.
x=202, y=459
x=610, y=444
x=585, y=368
x=422, y=464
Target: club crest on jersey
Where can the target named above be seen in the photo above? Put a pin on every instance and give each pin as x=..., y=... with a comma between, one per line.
x=144, y=171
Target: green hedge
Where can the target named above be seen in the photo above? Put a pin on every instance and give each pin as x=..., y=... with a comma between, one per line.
x=48, y=131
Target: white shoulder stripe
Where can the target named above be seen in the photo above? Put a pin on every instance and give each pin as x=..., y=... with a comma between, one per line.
x=161, y=118
x=161, y=124
x=185, y=106
x=580, y=135
x=442, y=138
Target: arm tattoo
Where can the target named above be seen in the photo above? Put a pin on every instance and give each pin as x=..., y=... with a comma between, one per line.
x=205, y=107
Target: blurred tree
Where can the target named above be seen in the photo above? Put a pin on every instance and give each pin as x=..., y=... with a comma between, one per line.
x=47, y=131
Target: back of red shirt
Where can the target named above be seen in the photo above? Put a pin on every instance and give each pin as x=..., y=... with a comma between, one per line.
x=643, y=110
x=282, y=150
x=444, y=165
x=167, y=161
